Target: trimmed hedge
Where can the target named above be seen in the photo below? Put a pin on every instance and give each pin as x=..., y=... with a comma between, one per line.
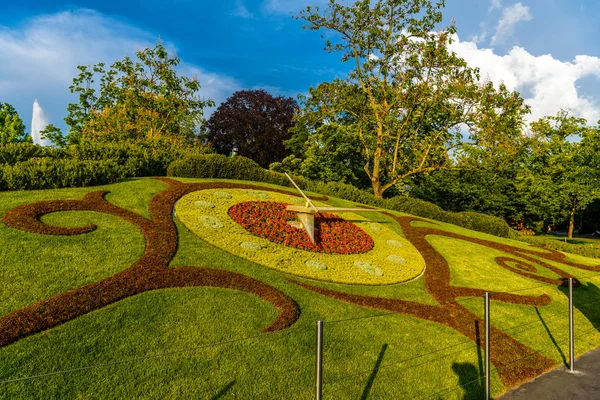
x=241, y=168
x=137, y=159
x=47, y=173
x=13, y=153
x=25, y=166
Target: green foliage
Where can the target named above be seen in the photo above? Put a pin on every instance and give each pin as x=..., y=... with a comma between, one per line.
x=331, y=154
x=408, y=95
x=479, y=189
x=562, y=177
x=45, y=173
x=219, y=166
x=145, y=99
x=137, y=159
x=54, y=134
x=12, y=128
x=13, y=153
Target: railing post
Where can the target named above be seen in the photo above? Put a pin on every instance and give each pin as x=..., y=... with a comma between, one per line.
x=319, y=377
x=571, y=328
x=487, y=346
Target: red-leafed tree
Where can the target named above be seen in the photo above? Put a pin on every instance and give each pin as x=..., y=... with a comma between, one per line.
x=255, y=123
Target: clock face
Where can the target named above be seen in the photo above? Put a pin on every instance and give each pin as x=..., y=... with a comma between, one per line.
x=255, y=225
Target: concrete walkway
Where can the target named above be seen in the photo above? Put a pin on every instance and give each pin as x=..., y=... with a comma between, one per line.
x=561, y=384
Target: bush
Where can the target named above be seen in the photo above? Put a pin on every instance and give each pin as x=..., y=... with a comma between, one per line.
x=47, y=173
x=13, y=153
x=241, y=168
x=138, y=159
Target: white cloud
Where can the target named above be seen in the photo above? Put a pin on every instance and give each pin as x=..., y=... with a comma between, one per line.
x=40, y=59
x=241, y=10
x=510, y=17
x=495, y=5
x=547, y=84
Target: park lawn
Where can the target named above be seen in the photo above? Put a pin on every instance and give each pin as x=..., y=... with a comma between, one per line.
x=368, y=353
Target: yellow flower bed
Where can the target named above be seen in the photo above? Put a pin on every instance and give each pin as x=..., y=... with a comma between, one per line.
x=393, y=259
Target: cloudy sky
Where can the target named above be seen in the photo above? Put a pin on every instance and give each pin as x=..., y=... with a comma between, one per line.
x=546, y=49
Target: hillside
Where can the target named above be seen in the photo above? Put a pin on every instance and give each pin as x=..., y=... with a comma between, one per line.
x=163, y=289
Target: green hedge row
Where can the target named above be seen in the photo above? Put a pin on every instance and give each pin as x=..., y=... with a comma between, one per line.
x=46, y=173
x=13, y=153
x=219, y=166
x=25, y=166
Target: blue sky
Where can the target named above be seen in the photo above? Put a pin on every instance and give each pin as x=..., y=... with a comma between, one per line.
x=547, y=49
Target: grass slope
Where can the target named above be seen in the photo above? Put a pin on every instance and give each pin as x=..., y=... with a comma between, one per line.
x=367, y=355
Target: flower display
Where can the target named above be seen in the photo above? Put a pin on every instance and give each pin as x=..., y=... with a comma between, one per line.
x=269, y=220
x=349, y=247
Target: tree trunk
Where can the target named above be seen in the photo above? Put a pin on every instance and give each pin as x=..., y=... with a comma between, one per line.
x=377, y=188
x=571, y=224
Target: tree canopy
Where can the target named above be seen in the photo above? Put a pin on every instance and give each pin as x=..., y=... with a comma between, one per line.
x=562, y=177
x=408, y=97
x=255, y=123
x=12, y=128
x=134, y=100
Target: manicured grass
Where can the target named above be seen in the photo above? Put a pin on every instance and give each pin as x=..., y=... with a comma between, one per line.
x=367, y=354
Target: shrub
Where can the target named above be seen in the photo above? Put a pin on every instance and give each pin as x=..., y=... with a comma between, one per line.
x=138, y=159
x=13, y=153
x=219, y=166
x=47, y=173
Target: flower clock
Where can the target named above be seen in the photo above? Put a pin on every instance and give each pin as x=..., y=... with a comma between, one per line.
x=348, y=248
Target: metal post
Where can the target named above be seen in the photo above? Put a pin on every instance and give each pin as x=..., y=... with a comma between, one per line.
x=319, y=378
x=571, y=329
x=487, y=346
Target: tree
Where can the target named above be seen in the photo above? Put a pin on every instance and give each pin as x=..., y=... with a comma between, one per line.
x=143, y=99
x=12, y=128
x=562, y=177
x=325, y=147
x=414, y=95
x=255, y=123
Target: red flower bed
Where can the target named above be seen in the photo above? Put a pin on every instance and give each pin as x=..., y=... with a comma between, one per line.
x=269, y=220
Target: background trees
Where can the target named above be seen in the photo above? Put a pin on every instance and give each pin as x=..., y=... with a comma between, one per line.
x=12, y=128
x=562, y=177
x=254, y=123
x=134, y=100
x=414, y=94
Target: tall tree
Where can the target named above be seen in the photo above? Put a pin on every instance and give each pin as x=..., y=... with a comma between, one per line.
x=132, y=100
x=255, y=123
x=416, y=97
x=12, y=128
x=562, y=177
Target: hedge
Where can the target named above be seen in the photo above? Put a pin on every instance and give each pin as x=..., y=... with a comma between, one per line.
x=47, y=173
x=26, y=166
x=138, y=159
x=241, y=168
x=13, y=153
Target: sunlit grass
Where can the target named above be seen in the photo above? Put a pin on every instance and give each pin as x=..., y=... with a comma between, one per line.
x=366, y=355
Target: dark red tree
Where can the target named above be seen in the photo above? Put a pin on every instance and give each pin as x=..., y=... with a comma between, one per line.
x=255, y=123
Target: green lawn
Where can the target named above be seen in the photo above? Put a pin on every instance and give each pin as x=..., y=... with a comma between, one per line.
x=366, y=354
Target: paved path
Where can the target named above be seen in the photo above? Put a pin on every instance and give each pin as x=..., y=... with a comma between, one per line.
x=561, y=384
